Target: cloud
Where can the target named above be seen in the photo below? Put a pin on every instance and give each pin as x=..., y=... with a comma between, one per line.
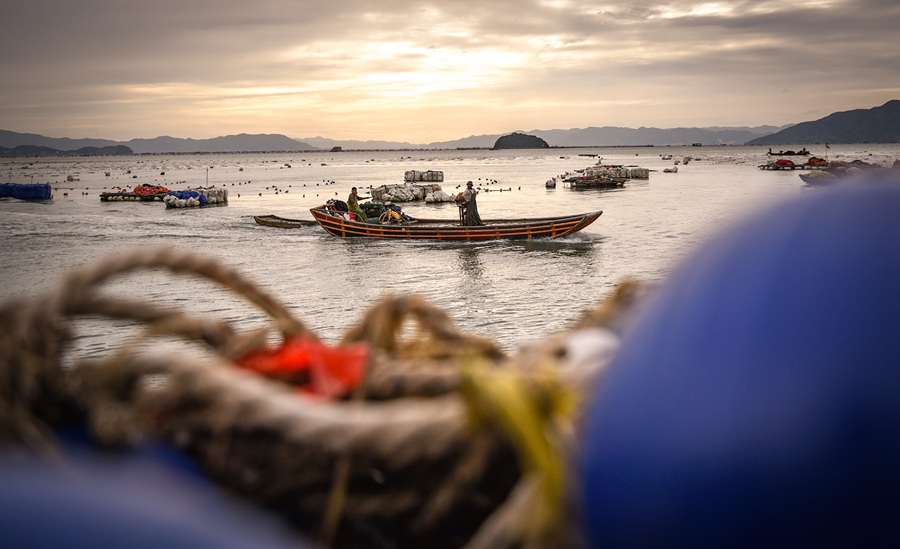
x=422, y=71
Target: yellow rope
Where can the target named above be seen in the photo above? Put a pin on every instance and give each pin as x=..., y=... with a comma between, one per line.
x=531, y=411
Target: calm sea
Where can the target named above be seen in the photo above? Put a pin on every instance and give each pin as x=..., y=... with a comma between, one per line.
x=513, y=292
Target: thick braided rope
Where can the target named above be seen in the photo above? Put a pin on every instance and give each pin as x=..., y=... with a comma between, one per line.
x=438, y=335
x=210, y=407
x=399, y=431
x=34, y=335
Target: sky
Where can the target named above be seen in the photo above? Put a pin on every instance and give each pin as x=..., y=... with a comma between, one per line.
x=423, y=72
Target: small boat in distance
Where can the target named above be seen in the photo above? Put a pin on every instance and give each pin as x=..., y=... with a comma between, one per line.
x=283, y=222
x=801, y=152
x=445, y=229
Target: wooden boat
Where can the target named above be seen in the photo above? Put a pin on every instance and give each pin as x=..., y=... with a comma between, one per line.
x=801, y=152
x=283, y=222
x=818, y=178
x=445, y=229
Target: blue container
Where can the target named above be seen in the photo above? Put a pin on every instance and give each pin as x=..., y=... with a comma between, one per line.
x=26, y=191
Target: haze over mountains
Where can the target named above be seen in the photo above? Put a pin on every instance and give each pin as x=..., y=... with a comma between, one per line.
x=607, y=136
x=876, y=125
x=586, y=137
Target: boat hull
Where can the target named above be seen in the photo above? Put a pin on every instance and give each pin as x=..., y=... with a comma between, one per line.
x=817, y=179
x=283, y=222
x=433, y=229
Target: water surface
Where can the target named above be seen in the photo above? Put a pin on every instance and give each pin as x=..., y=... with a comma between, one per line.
x=513, y=292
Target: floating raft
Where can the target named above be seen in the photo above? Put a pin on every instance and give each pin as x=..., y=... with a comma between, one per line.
x=117, y=197
x=604, y=177
x=774, y=166
x=143, y=192
x=584, y=182
x=26, y=191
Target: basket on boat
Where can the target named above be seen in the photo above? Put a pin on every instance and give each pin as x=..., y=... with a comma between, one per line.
x=444, y=441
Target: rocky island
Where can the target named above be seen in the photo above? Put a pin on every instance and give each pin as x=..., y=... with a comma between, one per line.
x=520, y=141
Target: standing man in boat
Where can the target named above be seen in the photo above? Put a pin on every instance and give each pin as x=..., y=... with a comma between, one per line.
x=469, y=206
x=353, y=205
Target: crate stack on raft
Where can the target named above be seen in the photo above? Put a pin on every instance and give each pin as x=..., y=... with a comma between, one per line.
x=405, y=433
x=605, y=177
x=430, y=176
x=193, y=198
x=417, y=185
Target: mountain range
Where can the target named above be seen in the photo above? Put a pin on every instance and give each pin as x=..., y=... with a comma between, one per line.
x=583, y=137
x=164, y=144
x=876, y=125
x=607, y=136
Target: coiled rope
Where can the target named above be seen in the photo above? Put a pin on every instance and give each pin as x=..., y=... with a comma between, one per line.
x=447, y=442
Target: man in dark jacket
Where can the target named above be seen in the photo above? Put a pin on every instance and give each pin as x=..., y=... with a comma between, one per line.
x=469, y=207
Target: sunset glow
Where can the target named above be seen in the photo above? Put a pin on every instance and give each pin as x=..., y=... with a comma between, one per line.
x=311, y=69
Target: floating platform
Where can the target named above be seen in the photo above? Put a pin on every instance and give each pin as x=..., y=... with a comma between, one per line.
x=131, y=197
x=594, y=182
x=788, y=167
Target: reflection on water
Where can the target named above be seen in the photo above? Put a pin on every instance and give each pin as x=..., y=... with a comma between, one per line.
x=534, y=254
x=576, y=245
x=470, y=262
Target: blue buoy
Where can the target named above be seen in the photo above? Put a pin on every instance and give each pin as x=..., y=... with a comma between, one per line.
x=755, y=401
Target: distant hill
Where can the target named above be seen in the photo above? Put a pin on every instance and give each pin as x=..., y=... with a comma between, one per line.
x=350, y=144
x=518, y=140
x=37, y=150
x=229, y=143
x=11, y=140
x=164, y=144
x=875, y=125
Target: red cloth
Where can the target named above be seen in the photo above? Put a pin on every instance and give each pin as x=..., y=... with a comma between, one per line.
x=311, y=365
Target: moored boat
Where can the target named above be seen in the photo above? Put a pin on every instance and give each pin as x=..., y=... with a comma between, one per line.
x=283, y=222
x=336, y=224
x=818, y=177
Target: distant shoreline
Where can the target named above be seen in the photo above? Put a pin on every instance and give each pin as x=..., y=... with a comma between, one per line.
x=323, y=151
x=62, y=154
